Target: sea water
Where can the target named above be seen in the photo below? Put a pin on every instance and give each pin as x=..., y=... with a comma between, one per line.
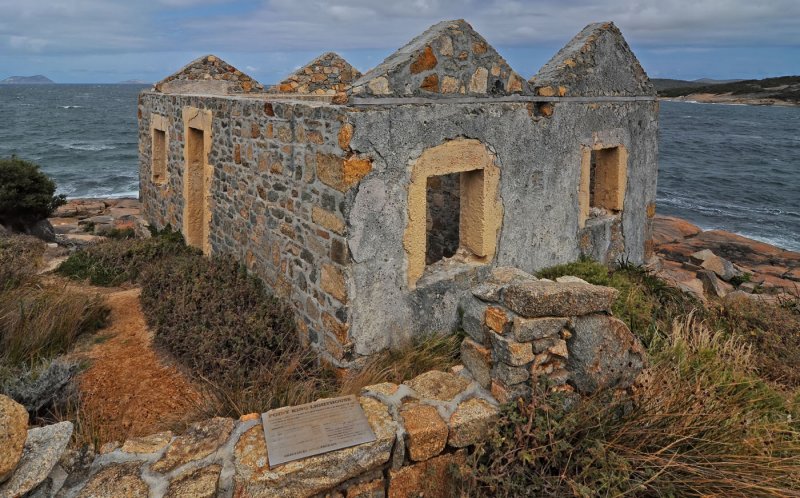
x=720, y=166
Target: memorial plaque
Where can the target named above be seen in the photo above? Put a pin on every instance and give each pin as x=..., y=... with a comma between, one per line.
x=301, y=431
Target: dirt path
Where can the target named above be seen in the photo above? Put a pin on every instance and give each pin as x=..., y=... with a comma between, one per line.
x=128, y=390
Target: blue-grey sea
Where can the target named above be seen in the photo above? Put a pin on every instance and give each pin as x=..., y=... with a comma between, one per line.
x=733, y=167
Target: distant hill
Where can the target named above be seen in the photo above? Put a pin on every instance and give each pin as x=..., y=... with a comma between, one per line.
x=27, y=80
x=664, y=83
x=781, y=89
x=133, y=82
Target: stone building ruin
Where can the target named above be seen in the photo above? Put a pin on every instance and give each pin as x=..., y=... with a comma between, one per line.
x=373, y=203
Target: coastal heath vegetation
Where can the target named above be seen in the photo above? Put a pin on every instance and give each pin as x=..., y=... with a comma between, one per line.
x=26, y=194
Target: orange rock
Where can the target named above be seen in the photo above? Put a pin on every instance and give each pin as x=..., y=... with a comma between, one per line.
x=669, y=229
x=430, y=83
x=496, y=319
x=426, y=431
x=425, y=61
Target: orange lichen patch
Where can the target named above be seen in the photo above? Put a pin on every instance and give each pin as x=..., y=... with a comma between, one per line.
x=128, y=390
x=345, y=135
x=496, y=319
x=341, y=173
x=425, y=61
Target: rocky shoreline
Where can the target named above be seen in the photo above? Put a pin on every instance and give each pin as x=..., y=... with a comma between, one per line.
x=720, y=263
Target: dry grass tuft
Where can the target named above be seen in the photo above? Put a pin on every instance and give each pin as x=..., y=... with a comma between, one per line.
x=432, y=352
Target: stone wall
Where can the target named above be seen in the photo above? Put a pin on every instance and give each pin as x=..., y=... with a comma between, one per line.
x=423, y=426
x=280, y=177
x=522, y=331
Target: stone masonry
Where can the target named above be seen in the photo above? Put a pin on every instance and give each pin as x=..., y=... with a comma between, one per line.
x=522, y=331
x=335, y=199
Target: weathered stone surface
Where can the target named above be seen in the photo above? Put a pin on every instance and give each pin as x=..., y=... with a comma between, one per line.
x=198, y=441
x=43, y=448
x=603, y=354
x=442, y=386
x=426, y=432
x=596, y=62
x=13, y=432
x=200, y=483
x=503, y=275
x=306, y=477
x=569, y=279
x=506, y=394
x=118, y=480
x=509, y=375
x=431, y=479
x=478, y=360
x=384, y=388
x=472, y=318
x=538, y=299
x=471, y=422
x=529, y=329
x=668, y=229
x=710, y=261
x=371, y=489
x=487, y=292
x=510, y=351
x=148, y=444
x=496, y=319
x=712, y=285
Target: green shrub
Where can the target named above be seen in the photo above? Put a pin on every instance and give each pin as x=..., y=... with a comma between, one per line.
x=26, y=194
x=215, y=318
x=20, y=256
x=113, y=262
x=700, y=425
x=645, y=303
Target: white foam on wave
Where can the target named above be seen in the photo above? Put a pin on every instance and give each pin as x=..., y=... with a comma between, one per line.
x=88, y=146
x=71, y=106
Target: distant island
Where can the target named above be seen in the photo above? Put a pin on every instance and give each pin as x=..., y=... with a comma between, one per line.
x=27, y=80
x=783, y=90
x=133, y=82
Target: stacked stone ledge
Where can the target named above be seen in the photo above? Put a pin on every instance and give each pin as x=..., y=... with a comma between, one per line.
x=522, y=330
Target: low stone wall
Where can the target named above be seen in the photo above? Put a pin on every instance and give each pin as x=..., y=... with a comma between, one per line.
x=422, y=427
x=521, y=329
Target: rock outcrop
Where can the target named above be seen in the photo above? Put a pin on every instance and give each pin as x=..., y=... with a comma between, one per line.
x=13, y=431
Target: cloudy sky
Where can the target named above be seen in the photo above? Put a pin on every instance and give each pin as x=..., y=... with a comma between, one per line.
x=114, y=40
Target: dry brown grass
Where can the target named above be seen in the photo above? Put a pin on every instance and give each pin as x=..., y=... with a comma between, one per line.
x=701, y=425
x=433, y=352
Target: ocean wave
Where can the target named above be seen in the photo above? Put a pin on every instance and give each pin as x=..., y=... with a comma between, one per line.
x=88, y=146
x=71, y=106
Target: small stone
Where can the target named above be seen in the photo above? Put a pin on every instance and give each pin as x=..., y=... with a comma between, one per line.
x=559, y=349
x=487, y=292
x=510, y=351
x=43, y=448
x=542, y=345
x=334, y=282
x=710, y=261
x=148, y=444
x=425, y=61
x=472, y=320
x=478, y=360
x=121, y=480
x=712, y=285
x=442, y=386
x=503, y=275
x=538, y=299
x=529, y=329
x=379, y=86
x=569, y=279
x=426, y=432
x=430, y=83
x=496, y=319
x=546, y=91
x=471, y=422
x=509, y=375
x=345, y=135
x=198, y=441
x=449, y=85
x=505, y=394
x=478, y=81
x=13, y=432
x=200, y=483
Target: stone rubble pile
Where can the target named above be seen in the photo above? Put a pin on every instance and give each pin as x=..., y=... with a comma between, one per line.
x=522, y=329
